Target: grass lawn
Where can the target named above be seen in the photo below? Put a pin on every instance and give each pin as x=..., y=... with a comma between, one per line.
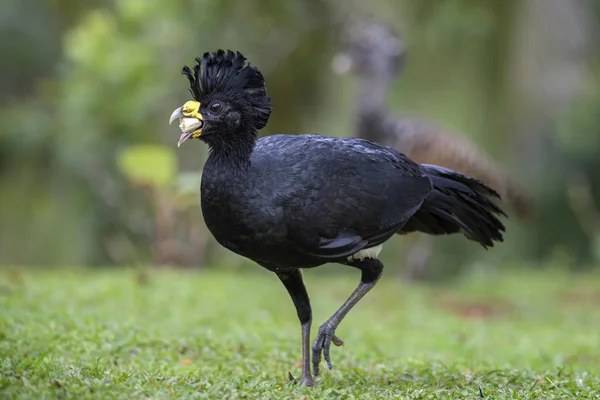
x=74, y=333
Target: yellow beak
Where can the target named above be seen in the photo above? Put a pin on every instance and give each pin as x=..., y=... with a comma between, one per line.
x=190, y=121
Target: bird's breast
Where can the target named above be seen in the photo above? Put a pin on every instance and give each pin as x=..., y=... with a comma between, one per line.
x=239, y=216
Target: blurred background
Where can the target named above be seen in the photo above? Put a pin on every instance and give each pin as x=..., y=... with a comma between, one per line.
x=90, y=174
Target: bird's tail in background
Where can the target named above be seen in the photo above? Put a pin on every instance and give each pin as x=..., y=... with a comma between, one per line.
x=458, y=203
x=521, y=201
x=424, y=143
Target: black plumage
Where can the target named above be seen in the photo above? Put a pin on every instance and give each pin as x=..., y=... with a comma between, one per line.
x=375, y=53
x=298, y=201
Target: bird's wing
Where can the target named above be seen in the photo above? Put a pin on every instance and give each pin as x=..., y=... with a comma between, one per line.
x=341, y=246
x=343, y=195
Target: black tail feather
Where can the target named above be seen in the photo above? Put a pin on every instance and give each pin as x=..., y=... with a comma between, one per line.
x=458, y=203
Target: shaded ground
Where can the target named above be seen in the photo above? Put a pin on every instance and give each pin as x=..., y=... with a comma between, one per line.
x=110, y=334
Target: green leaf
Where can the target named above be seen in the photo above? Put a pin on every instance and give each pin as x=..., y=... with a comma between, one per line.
x=153, y=165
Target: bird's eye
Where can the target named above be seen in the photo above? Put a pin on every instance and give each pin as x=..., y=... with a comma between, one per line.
x=215, y=107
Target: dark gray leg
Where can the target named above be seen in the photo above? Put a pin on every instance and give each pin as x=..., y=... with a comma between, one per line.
x=292, y=280
x=371, y=271
x=417, y=260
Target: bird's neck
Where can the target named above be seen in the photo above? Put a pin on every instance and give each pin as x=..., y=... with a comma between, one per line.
x=232, y=151
x=371, y=109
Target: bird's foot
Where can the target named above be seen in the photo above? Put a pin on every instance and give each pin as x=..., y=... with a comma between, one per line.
x=306, y=379
x=322, y=344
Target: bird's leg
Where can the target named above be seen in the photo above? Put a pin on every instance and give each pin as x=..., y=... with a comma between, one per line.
x=418, y=258
x=371, y=269
x=292, y=280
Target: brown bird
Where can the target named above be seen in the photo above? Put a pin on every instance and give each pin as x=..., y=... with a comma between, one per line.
x=376, y=55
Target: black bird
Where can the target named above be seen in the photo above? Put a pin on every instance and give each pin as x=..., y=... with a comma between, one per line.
x=374, y=52
x=289, y=202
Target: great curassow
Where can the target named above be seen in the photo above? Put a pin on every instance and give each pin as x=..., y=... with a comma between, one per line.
x=290, y=202
x=376, y=55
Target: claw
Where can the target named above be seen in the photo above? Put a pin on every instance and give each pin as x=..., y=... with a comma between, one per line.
x=316, y=356
x=323, y=344
x=337, y=341
x=327, y=345
x=304, y=380
x=307, y=380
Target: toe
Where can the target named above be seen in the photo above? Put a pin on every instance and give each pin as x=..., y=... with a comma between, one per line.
x=307, y=380
x=326, y=347
x=316, y=359
x=337, y=341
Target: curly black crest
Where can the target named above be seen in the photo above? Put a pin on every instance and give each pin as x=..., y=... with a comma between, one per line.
x=229, y=72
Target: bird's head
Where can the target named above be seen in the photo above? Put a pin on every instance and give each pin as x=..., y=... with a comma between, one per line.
x=370, y=48
x=229, y=98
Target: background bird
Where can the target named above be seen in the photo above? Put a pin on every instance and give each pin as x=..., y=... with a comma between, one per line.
x=376, y=55
x=290, y=202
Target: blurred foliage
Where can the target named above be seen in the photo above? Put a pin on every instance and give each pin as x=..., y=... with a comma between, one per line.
x=88, y=80
x=175, y=199
x=151, y=165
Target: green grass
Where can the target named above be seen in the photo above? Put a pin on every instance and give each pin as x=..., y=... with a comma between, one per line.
x=104, y=334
